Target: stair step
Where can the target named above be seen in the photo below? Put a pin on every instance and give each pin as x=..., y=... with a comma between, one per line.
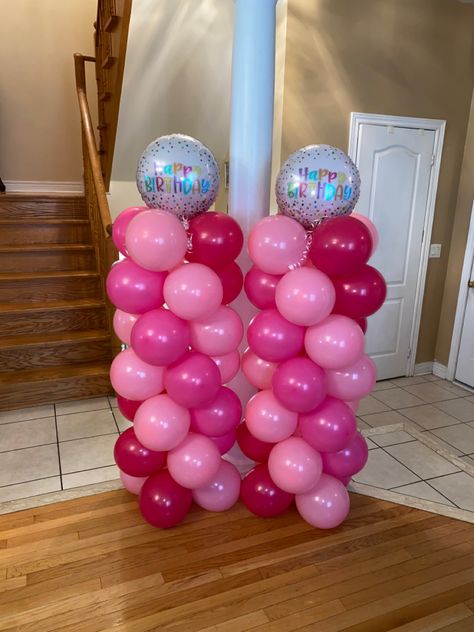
x=53, y=206
x=44, y=257
x=49, y=286
x=21, y=389
x=47, y=231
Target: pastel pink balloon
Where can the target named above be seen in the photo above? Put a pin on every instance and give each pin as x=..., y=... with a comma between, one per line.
x=330, y=427
x=134, y=289
x=132, y=484
x=305, y=296
x=224, y=442
x=120, y=225
x=193, y=291
x=193, y=381
x=274, y=338
x=195, y=462
x=156, y=240
x=354, y=405
x=299, y=384
x=260, y=288
x=134, y=379
x=217, y=334
x=267, y=419
x=348, y=461
x=219, y=416
x=159, y=337
x=372, y=230
x=222, y=492
x=228, y=365
x=123, y=323
x=326, y=505
x=334, y=343
x=161, y=424
x=257, y=371
x=353, y=382
x=295, y=466
x=276, y=243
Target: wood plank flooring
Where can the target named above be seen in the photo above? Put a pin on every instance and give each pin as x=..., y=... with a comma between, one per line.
x=93, y=565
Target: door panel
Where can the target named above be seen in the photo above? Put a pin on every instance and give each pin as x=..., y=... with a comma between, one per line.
x=465, y=364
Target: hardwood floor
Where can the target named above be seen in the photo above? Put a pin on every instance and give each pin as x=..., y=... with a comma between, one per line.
x=91, y=565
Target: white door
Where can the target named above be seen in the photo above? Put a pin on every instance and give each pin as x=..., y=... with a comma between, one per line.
x=395, y=168
x=465, y=364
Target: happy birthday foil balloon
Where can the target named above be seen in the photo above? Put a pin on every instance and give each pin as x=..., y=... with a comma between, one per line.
x=315, y=182
x=178, y=174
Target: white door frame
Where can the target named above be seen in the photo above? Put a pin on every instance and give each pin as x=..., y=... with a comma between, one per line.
x=438, y=126
x=462, y=300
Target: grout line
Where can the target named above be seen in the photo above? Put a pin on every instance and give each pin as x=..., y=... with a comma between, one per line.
x=441, y=493
x=30, y=447
x=57, y=447
x=33, y=480
x=81, y=412
x=91, y=469
x=19, y=421
x=116, y=422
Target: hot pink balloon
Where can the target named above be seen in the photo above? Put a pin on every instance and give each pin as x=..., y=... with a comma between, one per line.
x=159, y=337
x=161, y=424
x=267, y=419
x=195, y=462
x=330, y=427
x=257, y=371
x=193, y=381
x=353, y=382
x=224, y=442
x=305, y=296
x=334, y=343
x=156, y=240
x=228, y=365
x=217, y=334
x=299, y=384
x=326, y=505
x=123, y=323
x=347, y=461
x=134, y=289
x=295, y=466
x=193, y=291
x=219, y=416
x=260, y=288
x=372, y=230
x=120, y=225
x=132, y=484
x=134, y=379
x=276, y=243
x=222, y=492
x=273, y=338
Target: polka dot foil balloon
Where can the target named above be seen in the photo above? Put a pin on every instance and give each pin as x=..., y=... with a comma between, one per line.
x=315, y=182
x=178, y=174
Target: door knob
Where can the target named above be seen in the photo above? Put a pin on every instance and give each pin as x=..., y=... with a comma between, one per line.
x=470, y=284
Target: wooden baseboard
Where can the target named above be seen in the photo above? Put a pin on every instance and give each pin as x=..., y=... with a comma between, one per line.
x=33, y=186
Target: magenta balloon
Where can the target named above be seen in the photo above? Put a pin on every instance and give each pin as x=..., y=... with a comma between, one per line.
x=260, y=494
x=193, y=381
x=372, y=230
x=294, y=465
x=276, y=243
x=326, y=505
x=305, y=296
x=159, y=337
x=228, y=365
x=220, y=416
x=224, y=442
x=216, y=238
x=347, y=461
x=257, y=371
x=193, y=291
x=299, y=384
x=273, y=338
x=134, y=379
x=132, y=484
x=120, y=225
x=334, y=343
x=164, y=503
x=260, y=288
x=252, y=448
x=128, y=407
x=232, y=281
x=222, y=492
x=123, y=323
x=133, y=458
x=160, y=423
x=217, y=334
x=330, y=427
x=194, y=462
x=267, y=419
x=361, y=293
x=353, y=382
x=134, y=289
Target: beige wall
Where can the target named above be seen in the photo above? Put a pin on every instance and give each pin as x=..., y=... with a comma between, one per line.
x=40, y=137
x=401, y=57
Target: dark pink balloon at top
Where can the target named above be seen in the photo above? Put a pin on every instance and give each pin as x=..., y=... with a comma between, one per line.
x=360, y=294
x=330, y=427
x=134, y=289
x=159, y=337
x=362, y=322
x=120, y=225
x=260, y=288
x=135, y=459
x=260, y=494
x=219, y=416
x=347, y=461
x=216, y=239
x=128, y=407
x=273, y=338
x=163, y=502
x=232, y=281
x=299, y=384
x=252, y=447
x=193, y=381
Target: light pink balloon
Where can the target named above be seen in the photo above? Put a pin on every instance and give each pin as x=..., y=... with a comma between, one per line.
x=156, y=240
x=257, y=371
x=305, y=296
x=354, y=405
x=228, y=365
x=132, y=484
x=276, y=243
x=217, y=334
x=195, y=462
x=334, y=343
x=134, y=379
x=123, y=323
x=294, y=465
x=326, y=505
x=372, y=230
x=222, y=492
x=267, y=419
x=193, y=291
x=353, y=382
x=161, y=424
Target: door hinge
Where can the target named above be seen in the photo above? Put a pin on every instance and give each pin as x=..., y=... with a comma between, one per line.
x=409, y=354
x=433, y=157
x=423, y=235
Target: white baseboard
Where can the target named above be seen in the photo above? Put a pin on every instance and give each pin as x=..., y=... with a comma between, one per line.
x=440, y=370
x=424, y=368
x=33, y=186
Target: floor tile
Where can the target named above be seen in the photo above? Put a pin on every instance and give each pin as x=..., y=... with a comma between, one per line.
x=89, y=424
x=460, y=437
x=424, y=491
x=362, y=425
x=459, y=488
x=89, y=477
x=392, y=438
x=33, y=488
x=26, y=434
x=86, y=454
x=20, y=466
x=429, y=417
x=384, y=471
x=418, y=457
x=454, y=388
x=113, y=401
x=82, y=405
x=408, y=381
x=430, y=392
x=22, y=414
x=442, y=444
x=431, y=378
x=384, y=419
x=468, y=459
x=470, y=399
x=460, y=408
x=370, y=444
x=397, y=398
x=370, y=405
x=122, y=422
x=383, y=385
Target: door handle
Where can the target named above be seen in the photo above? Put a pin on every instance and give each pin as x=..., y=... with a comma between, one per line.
x=470, y=284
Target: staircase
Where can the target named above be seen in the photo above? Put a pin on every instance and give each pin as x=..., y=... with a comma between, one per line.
x=54, y=336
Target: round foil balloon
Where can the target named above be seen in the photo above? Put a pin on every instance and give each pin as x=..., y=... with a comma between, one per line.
x=317, y=181
x=178, y=174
